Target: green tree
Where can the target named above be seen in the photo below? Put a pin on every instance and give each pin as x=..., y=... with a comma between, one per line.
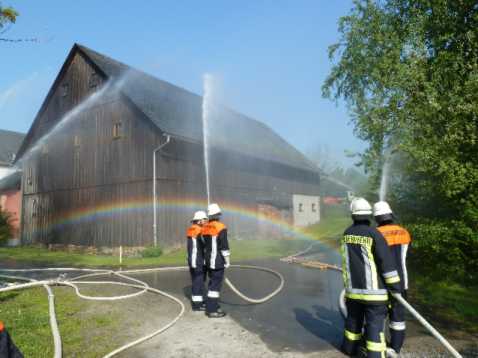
x=8, y=16
x=408, y=70
x=5, y=228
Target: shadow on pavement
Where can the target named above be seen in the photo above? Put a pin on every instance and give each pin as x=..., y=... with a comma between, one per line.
x=322, y=323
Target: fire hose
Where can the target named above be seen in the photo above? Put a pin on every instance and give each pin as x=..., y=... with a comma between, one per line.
x=343, y=308
x=144, y=287
x=137, y=284
x=418, y=316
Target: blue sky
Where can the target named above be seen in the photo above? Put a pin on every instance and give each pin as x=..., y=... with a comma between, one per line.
x=271, y=57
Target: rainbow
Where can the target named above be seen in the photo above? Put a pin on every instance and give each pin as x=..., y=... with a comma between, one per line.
x=89, y=214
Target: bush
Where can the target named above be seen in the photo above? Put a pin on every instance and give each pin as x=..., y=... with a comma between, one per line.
x=445, y=249
x=152, y=251
x=5, y=228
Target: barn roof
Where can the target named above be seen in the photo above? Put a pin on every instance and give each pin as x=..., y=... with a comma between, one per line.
x=9, y=144
x=178, y=112
x=11, y=182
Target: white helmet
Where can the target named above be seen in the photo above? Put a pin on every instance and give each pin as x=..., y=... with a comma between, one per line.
x=381, y=208
x=199, y=215
x=360, y=206
x=213, y=209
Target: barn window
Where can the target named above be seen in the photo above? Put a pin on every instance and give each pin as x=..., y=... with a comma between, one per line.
x=301, y=207
x=117, y=130
x=76, y=141
x=93, y=80
x=314, y=208
x=64, y=89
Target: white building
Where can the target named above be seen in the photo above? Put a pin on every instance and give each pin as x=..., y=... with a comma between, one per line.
x=306, y=210
x=9, y=144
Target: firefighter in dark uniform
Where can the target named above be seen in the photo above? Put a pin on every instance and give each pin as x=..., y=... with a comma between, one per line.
x=398, y=239
x=217, y=257
x=196, y=259
x=368, y=271
x=7, y=347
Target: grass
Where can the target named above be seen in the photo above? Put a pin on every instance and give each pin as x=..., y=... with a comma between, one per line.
x=335, y=220
x=241, y=249
x=41, y=256
x=453, y=306
x=25, y=314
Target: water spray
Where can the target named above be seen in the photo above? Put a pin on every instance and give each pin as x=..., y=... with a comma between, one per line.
x=64, y=121
x=112, y=86
x=207, y=105
x=385, y=177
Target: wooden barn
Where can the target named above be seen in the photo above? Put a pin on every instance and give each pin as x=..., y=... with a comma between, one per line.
x=87, y=163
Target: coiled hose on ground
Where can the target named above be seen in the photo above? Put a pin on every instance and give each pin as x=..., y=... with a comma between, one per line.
x=135, y=283
x=144, y=287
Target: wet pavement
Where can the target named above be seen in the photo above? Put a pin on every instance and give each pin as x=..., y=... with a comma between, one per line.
x=304, y=317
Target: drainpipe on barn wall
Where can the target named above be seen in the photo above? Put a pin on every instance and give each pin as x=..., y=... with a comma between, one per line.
x=155, y=233
x=22, y=206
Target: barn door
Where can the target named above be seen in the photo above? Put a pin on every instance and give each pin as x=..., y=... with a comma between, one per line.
x=29, y=219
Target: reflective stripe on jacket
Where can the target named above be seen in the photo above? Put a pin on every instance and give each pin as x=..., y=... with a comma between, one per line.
x=398, y=240
x=216, y=246
x=367, y=264
x=195, y=246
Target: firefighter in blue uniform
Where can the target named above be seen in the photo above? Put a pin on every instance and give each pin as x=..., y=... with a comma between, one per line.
x=196, y=259
x=398, y=239
x=217, y=257
x=368, y=271
x=7, y=347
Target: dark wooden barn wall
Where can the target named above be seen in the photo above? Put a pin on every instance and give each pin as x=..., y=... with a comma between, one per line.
x=84, y=167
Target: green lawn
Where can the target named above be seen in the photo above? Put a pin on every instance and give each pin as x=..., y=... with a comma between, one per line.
x=29, y=255
x=451, y=305
x=241, y=250
x=25, y=314
x=335, y=220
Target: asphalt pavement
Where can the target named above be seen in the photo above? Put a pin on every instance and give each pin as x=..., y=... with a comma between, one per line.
x=304, y=317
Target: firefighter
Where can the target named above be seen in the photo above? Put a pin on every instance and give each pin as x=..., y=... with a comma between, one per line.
x=7, y=347
x=217, y=257
x=368, y=271
x=196, y=259
x=398, y=239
